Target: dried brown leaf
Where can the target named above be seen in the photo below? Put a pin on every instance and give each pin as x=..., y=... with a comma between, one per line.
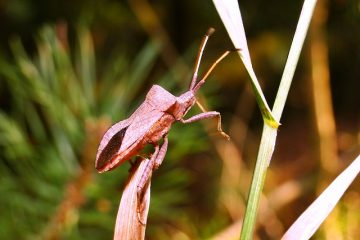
x=129, y=224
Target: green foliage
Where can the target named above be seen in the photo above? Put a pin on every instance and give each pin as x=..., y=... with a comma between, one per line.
x=57, y=110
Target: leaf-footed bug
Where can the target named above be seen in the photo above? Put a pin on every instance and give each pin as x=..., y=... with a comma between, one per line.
x=152, y=121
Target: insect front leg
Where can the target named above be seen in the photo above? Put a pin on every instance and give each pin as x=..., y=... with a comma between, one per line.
x=206, y=115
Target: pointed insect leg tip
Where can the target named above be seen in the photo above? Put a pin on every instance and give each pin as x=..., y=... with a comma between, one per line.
x=140, y=221
x=236, y=50
x=225, y=136
x=210, y=31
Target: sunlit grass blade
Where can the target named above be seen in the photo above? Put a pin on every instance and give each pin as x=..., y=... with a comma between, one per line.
x=306, y=225
x=293, y=57
x=229, y=12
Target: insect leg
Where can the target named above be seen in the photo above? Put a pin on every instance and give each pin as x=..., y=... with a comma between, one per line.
x=206, y=115
x=147, y=172
x=160, y=157
x=153, y=164
x=144, y=180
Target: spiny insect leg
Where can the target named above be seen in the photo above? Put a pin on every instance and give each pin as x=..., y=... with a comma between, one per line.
x=154, y=162
x=144, y=180
x=160, y=157
x=206, y=115
x=147, y=172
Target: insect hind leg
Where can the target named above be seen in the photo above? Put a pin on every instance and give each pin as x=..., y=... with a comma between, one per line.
x=153, y=164
x=144, y=180
x=146, y=173
x=161, y=155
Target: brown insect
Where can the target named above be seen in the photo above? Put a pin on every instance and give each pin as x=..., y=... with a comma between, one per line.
x=151, y=122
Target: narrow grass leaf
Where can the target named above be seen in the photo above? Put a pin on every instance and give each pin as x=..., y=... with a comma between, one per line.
x=293, y=57
x=230, y=15
x=306, y=225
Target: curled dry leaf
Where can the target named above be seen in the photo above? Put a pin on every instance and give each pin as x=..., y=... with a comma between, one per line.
x=131, y=225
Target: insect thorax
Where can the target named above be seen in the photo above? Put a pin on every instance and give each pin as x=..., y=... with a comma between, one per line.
x=159, y=129
x=160, y=98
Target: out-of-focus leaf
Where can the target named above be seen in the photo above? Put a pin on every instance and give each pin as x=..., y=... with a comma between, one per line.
x=122, y=93
x=13, y=139
x=86, y=62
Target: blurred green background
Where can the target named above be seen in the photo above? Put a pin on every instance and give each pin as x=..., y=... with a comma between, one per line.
x=70, y=69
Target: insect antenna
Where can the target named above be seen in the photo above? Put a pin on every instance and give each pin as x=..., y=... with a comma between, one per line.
x=209, y=32
x=208, y=72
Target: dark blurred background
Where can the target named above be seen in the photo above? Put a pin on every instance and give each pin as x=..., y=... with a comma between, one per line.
x=70, y=69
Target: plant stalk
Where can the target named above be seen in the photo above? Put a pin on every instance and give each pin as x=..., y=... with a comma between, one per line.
x=269, y=134
x=266, y=150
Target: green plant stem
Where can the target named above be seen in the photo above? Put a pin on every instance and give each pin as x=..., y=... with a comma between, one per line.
x=266, y=150
x=269, y=134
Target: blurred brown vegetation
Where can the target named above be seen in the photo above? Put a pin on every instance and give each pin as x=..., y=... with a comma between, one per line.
x=201, y=188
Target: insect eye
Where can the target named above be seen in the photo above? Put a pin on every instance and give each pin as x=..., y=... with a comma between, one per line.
x=111, y=148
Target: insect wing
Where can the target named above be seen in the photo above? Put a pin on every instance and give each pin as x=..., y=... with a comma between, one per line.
x=139, y=126
x=122, y=137
x=111, y=143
